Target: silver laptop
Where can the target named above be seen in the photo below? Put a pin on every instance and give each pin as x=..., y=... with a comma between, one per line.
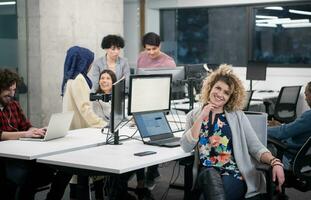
x=58, y=127
x=155, y=127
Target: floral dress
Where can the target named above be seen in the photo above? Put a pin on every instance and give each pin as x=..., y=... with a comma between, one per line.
x=215, y=146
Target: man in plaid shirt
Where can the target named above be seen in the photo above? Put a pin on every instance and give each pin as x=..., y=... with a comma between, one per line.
x=23, y=176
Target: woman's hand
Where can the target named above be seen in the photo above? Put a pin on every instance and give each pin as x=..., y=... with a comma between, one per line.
x=274, y=122
x=210, y=107
x=195, y=130
x=278, y=174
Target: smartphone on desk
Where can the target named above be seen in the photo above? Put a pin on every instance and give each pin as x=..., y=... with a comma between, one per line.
x=144, y=153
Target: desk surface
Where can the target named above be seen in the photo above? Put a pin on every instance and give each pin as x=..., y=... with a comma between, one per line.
x=74, y=140
x=115, y=159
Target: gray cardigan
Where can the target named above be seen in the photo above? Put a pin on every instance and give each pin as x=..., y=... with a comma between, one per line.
x=247, y=148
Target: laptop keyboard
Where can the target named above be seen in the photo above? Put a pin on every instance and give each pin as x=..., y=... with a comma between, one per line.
x=169, y=140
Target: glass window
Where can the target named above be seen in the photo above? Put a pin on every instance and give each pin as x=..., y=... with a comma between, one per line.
x=282, y=34
x=205, y=35
x=277, y=34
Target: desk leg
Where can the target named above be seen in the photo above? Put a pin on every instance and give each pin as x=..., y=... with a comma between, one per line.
x=83, y=189
x=187, y=186
x=188, y=181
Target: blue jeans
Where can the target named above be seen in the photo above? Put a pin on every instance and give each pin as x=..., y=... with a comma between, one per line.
x=235, y=189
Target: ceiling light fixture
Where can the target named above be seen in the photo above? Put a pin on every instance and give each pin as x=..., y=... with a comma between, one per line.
x=267, y=25
x=274, y=8
x=274, y=21
x=301, y=12
x=296, y=21
x=266, y=17
x=299, y=25
x=7, y=3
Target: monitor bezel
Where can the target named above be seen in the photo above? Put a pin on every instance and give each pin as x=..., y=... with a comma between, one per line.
x=114, y=126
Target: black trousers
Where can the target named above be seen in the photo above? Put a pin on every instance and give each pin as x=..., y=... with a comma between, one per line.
x=29, y=175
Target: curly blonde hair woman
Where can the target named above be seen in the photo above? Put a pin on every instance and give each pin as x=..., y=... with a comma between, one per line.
x=225, y=142
x=225, y=73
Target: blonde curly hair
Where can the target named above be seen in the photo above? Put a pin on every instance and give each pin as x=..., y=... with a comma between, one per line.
x=225, y=74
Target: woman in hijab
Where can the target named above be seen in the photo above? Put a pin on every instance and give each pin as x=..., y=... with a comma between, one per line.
x=76, y=88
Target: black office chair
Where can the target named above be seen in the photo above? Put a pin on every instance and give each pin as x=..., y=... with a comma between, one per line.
x=249, y=95
x=286, y=104
x=299, y=174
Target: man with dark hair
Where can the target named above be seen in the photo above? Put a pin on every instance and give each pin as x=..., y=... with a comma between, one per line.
x=296, y=133
x=24, y=175
x=153, y=56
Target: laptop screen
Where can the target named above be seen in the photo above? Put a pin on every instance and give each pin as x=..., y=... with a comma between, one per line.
x=151, y=124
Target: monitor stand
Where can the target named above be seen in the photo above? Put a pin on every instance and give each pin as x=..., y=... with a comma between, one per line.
x=116, y=138
x=250, y=85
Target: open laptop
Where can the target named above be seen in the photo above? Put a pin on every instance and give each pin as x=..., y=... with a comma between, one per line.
x=154, y=126
x=58, y=127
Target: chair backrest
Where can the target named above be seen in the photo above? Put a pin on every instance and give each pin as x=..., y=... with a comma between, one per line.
x=258, y=121
x=285, y=107
x=302, y=162
x=249, y=95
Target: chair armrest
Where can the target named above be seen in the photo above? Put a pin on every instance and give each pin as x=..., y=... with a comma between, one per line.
x=267, y=169
x=263, y=167
x=281, y=147
x=278, y=144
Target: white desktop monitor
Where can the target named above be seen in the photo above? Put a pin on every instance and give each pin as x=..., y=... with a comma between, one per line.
x=178, y=73
x=178, y=78
x=149, y=93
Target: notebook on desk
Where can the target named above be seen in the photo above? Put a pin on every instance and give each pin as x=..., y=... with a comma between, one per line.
x=154, y=126
x=58, y=127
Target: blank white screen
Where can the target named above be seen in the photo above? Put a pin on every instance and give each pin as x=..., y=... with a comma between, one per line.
x=150, y=94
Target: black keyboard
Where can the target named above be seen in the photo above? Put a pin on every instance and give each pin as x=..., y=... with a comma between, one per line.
x=169, y=140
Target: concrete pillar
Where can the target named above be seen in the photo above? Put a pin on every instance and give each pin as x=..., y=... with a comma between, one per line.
x=53, y=27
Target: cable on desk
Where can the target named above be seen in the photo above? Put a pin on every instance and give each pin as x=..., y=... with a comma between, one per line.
x=179, y=120
x=125, y=137
x=126, y=122
x=177, y=175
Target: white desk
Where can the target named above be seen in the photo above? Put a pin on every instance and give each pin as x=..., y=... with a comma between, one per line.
x=115, y=159
x=74, y=140
x=184, y=106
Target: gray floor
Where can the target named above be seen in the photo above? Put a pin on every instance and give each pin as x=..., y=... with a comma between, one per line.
x=166, y=175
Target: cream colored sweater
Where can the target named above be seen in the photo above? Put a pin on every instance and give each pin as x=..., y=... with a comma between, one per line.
x=76, y=98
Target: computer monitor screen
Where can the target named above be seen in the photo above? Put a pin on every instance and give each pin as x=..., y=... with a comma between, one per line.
x=149, y=93
x=178, y=77
x=117, y=105
x=256, y=71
